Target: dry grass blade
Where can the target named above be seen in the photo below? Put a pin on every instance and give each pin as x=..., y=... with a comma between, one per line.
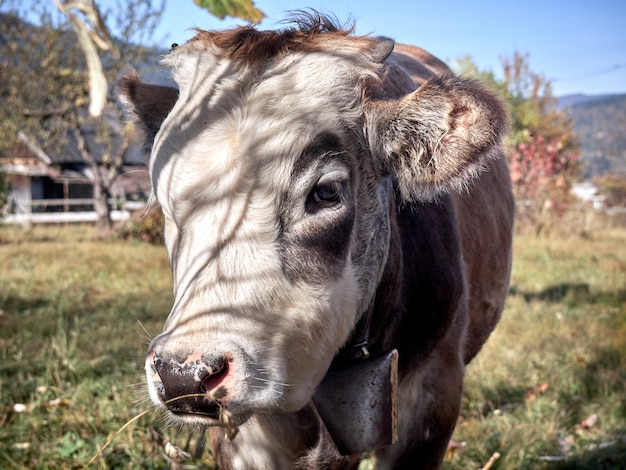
x=226, y=419
x=173, y=451
x=119, y=431
x=492, y=460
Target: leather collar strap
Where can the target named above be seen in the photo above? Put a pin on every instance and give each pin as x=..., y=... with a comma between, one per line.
x=357, y=347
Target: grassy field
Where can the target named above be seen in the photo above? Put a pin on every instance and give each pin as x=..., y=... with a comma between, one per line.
x=76, y=314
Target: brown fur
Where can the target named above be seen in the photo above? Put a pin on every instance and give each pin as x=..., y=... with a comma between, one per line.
x=249, y=46
x=447, y=273
x=157, y=101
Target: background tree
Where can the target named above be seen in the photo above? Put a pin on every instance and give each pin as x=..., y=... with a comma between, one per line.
x=4, y=193
x=40, y=79
x=541, y=148
x=45, y=81
x=105, y=58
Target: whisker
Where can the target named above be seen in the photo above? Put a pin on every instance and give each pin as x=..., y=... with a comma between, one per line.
x=283, y=384
x=149, y=336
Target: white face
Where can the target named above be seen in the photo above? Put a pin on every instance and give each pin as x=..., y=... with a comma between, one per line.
x=276, y=227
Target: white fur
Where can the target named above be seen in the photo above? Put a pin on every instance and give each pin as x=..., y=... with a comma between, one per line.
x=220, y=162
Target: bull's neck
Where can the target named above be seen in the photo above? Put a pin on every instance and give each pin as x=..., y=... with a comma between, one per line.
x=365, y=339
x=388, y=292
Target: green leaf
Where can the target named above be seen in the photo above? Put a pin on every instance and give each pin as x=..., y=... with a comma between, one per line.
x=236, y=8
x=71, y=444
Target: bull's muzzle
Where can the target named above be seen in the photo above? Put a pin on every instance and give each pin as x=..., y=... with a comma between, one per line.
x=190, y=385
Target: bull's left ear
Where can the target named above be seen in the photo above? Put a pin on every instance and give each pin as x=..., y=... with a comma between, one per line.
x=437, y=138
x=148, y=104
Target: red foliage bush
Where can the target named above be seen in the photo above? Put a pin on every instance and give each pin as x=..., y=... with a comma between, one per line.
x=542, y=172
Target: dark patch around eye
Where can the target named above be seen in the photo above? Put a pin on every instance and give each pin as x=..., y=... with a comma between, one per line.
x=324, y=143
x=316, y=251
x=317, y=254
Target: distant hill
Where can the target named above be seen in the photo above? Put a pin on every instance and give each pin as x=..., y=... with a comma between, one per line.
x=600, y=124
x=567, y=101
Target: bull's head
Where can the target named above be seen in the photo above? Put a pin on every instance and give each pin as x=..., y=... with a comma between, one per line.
x=275, y=170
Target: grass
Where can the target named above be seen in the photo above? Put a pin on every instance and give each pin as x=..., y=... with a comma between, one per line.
x=76, y=317
x=549, y=388
x=76, y=314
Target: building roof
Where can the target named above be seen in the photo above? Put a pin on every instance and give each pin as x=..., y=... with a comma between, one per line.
x=70, y=154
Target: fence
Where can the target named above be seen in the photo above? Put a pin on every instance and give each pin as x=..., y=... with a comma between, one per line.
x=40, y=212
x=576, y=219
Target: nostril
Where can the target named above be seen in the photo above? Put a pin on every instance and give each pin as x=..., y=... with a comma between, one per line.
x=212, y=382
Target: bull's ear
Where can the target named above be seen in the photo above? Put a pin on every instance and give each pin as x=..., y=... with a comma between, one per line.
x=149, y=104
x=437, y=138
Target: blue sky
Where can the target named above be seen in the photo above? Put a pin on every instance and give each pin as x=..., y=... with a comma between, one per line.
x=580, y=45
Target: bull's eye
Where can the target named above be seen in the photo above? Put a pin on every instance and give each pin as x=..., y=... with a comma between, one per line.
x=324, y=195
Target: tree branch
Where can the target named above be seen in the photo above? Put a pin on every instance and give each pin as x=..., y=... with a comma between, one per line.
x=90, y=39
x=59, y=110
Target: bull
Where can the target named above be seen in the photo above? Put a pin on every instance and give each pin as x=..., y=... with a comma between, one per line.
x=327, y=197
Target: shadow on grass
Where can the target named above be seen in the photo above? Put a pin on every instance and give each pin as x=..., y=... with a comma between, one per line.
x=18, y=305
x=502, y=397
x=572, y=294
x=608, y=456
x=69, y=340
x=605, y=373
